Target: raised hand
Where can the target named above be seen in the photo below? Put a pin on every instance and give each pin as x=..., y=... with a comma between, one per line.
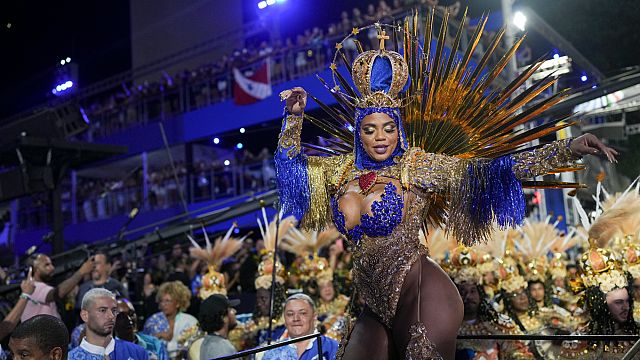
x=87, y=267
x=589, y=144
x=27, y=285
x=296, y=100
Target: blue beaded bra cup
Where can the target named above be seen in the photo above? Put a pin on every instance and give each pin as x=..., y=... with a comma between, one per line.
x=387, y=214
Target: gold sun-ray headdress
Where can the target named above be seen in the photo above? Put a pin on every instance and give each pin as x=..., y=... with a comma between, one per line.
x=450, y=106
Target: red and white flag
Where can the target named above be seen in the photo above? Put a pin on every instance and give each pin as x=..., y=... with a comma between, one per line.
x=250, y=89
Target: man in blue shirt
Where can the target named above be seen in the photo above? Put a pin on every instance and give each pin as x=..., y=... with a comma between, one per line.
x=98, y=312
x=299, y=319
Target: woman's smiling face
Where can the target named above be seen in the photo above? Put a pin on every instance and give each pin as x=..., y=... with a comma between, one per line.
x=379, y=136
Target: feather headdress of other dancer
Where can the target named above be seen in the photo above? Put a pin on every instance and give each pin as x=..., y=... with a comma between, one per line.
x=269, y=231
x=307, y=244
x=440, y=245
x=537, y=240
x=223, y=247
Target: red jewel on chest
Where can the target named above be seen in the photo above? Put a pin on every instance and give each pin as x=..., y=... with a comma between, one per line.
x=367, y=181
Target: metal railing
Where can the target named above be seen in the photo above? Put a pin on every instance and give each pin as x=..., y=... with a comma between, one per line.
x=629, y=354
x=200, y=185
x=274, y=346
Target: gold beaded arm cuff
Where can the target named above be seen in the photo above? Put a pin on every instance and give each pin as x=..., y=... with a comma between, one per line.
x=289, y=140
x=432, y=172
x=543, y=160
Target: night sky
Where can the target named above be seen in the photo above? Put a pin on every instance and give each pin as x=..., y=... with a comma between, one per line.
x=96, y=35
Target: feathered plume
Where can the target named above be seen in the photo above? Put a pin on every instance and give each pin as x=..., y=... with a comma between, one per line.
x=616, y=222
x=499, y=243
x=223, y=247
x=302, y=242
x=268, y=229
x=537, y=238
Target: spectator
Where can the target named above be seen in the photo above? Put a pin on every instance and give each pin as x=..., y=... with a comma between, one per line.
x=100, y=279
x=217, y=317
x=11, y=320
x=171, y=322
x=180, y=271
x=126, y=328
x=299, y=319
x=98, y=312
x=150, y=291
x=40, y=337
x=44, y=297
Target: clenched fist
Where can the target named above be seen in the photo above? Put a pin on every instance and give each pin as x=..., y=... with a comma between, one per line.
x=296, y=100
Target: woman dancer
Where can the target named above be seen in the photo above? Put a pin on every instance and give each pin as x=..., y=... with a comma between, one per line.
x=380, y=194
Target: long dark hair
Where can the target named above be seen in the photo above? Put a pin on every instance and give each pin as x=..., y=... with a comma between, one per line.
x=506, y=298
x=602, y=322
x=548, y=291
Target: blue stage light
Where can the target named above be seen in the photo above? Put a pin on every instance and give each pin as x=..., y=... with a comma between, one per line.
x=216, y=140
x=239, y=146
x=583, y=78
x=242, y=130
x=271, y=2
x=262, y=5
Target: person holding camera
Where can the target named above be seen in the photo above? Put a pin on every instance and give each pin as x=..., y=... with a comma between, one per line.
x=44, y=297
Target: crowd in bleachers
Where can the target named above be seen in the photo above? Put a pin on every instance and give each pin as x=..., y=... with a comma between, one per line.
x=289, y=58
x=102, y=197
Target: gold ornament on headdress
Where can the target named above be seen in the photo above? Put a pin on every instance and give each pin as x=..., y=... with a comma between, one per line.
x=601, y=268
x=269, y=232
x=631, y=260
x=307, y=244
x=559, y=248
x=513, y=283
x=224, y=247
x=500, y=245
x=463, y=268
x=362, y=68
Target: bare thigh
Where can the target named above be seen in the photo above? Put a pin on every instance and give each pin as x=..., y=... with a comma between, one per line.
x=440, y=308
x=370, y=339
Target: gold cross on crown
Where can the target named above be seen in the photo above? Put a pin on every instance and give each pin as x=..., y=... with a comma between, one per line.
x=382, y=36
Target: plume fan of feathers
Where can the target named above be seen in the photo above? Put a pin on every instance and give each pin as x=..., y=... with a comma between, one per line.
x=222, y=248
x=268, y=229
x=302, y=242
x=500, y=241
x=615, y=217
x=538, y=238
x=439, y=243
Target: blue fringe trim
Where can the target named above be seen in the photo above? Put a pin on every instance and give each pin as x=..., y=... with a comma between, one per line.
x=505, y=192
x=293, y=184
x=488, y=192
